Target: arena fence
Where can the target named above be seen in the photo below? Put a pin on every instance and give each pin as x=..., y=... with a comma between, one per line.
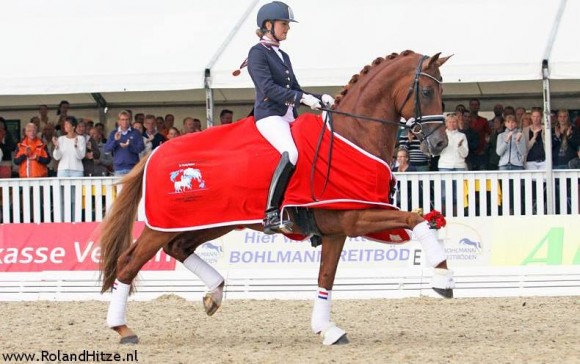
x=499, y=239
x=456, y=194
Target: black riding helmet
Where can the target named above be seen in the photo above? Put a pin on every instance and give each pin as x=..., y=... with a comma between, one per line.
x=276, y=10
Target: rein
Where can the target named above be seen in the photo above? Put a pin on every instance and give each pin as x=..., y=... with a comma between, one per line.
x=414, y=124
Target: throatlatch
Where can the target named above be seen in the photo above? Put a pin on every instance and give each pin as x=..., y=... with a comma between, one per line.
x=273, y=223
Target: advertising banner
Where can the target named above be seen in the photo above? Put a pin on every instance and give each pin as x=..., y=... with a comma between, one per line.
x=59, y=247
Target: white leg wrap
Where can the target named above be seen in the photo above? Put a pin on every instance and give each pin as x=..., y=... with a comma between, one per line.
x=116, y=316
x=321, y=311
x=208, y=275
x=434, y=252
x=442, y=278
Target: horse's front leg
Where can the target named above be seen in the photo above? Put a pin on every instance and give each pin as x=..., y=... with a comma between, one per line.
x=321, y=324
x=362, y=222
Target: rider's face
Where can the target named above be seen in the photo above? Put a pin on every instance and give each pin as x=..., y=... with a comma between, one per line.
x=281, y=28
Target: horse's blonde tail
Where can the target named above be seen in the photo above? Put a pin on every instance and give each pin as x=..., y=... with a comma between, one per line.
x=117, y=227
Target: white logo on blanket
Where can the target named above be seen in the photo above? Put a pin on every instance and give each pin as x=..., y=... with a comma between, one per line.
x=182, y=179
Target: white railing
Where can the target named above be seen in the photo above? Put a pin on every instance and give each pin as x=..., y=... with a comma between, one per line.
x=456, y=194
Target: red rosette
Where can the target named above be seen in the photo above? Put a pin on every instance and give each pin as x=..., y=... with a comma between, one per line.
x=435, y=219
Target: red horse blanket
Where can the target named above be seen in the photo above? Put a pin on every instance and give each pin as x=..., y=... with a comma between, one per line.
x=221, y=177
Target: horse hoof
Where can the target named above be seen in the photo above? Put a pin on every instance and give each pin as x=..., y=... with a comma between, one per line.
x=131, y=339
x=334, y=336
x=212, y=301
x=442, y=282
x=342, y=341
x=446, y=293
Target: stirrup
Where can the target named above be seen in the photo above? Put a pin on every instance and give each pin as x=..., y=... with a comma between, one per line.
x=273, y=224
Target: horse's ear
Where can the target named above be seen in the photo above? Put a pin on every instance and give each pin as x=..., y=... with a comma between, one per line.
x=435, y=60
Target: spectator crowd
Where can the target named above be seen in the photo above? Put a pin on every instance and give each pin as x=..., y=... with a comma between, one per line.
x=67, y=146
x=513, y=139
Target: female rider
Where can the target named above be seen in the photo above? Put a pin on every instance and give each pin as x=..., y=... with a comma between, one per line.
x=278, y=95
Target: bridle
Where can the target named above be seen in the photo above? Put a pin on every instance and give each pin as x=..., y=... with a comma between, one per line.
x=414, y=124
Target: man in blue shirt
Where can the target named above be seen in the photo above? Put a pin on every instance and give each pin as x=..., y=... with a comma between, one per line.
x=125, y=143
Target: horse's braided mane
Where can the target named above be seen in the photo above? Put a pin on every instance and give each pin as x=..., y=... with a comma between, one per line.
x=354, y=79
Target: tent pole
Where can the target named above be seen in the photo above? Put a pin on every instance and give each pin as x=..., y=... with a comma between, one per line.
x=548, y=143
x=208, y=98
x=207, y=83
x=547, y=121
x=102, y=107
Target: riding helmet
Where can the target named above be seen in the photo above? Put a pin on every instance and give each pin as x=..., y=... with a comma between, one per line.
x=276, y=10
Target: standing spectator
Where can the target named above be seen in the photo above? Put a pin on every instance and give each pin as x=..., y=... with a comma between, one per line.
x=564, y=142
x=139, y=118
x=43, y=116
x=189, y=125
x=481, y=127
x=138, y=125
x=8, y=145
x=61, y=113
x=418, y=159
x=47, y=135
x=526, y=120
x=493, y=158
x=103, y=165
x=69, y=150
x=125, y=143
x=226, y=116
x=520, y=111
x=453, y=156
x=169, y=120
x=173, y=133
x=460, y=108
x=535, y=142
x=511, y=146
x=81, y=130
x=403, y=161
x=508, y=110
x=152, y=138
x=197, y=124
x=32, y=155
x=497, y=113
x=92, y=155
x=472, y=139
x=161, y=128
x=63, y=108
x=101, y=128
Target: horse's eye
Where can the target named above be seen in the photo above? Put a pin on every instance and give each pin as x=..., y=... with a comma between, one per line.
x=427, y=92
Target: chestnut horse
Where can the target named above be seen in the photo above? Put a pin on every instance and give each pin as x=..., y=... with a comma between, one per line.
x=367, y=113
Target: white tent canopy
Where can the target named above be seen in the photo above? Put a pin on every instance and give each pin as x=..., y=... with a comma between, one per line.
x=140, y=51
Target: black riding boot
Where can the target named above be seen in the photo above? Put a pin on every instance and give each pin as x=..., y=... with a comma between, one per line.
x=273, y=222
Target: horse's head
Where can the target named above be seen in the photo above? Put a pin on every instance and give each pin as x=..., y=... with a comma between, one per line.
x=424, y=114
x=398, y=86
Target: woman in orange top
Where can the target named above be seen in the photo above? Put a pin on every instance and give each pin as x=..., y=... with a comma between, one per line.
x=32, y=154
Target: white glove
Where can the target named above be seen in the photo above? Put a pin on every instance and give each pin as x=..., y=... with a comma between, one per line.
x=311, y=101
x=327, y=100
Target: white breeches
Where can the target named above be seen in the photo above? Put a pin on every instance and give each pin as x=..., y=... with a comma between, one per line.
x=276, y=130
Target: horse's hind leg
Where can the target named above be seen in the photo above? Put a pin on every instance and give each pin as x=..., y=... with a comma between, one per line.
x=321, y=324
x=183, y=250
x=128, y=265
